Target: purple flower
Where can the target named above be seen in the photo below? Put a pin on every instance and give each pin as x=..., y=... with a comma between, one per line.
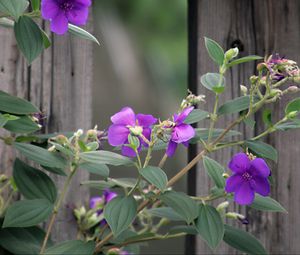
x=96, y=201
x=249, y=176
x=181, y=132
x=126, y=122
x=109, y=195
x=62, y=12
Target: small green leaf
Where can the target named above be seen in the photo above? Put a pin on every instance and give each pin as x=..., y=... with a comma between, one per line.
x=243, y=241
x=182, y=204
x=77, y=31
x=14, y=8
x=195, y=116
x=111, y=183
x=33, y=183
x=236, y=105
x=35, y=5
x=293, y=106
x=23, y=125
x=40, y=155
x=210, y=225
x=165, y=212
x=214, y=82
x=243, y=60
x=190, y=230
x=46, y=40
x=15, y=105
x=267, y=117
x=202, y=134
x=29, y=38
x=120, y=213
x=95, y=168
x=27, y=213
x=74, y=247
x=262, y=149
x=3, y=120
x=250, y=122
x=155, y=176
x=288, y=125
x=105, y=157
x=215, y=51
x=215, y=171
x=267, y=204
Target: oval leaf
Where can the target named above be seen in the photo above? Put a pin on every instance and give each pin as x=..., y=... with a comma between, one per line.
x=77, y=31
x=23, y=125
x=165, y=212
x=215, y=51
x=215, y=171
x=27, y=213
x=214, y=82
x=95, y=168
x=14, y=8
x=33, y=183
x=293, y=106
x=210, y=225
x=195, y=116
x=267, y=204
x=120, y=213
x=76, y=247
x=244, y=60
x=182, y=204
x=155, y=176
x=29, y=38
x=236, y=105
x=262, y=149
x=243, y=241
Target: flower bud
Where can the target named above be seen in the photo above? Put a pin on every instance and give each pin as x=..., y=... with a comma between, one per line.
x=244, y=90
x=137, y=130
x=293, y=89
x=134, y=141
x=275, y=92
x=296, y=79
x=225, y=175
x=92, y=133
x=222, y=206
x=78, y=133
x=253, y=79
x=79, y=213
x=261, y=67
x=231, y=53
x=234, y=215
x=61, y=139
x=3, y=178
x=292, y=114
x=114, y=251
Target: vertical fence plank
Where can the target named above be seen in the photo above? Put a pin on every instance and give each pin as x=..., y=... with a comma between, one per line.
x=257, y=27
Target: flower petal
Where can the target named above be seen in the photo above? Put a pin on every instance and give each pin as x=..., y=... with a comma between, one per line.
x=117, y=135
x=260, y=167
x=78, y=15
x=84, y=2
x=183, y=115
x=145, y=120
x=261, y=185
x=171, y=148
x=182, y=133
x=146, y=133
x=128, y=152
x=239, y=163
x=94, y=201
x=244, y=195
x=49, y=9
x=233, y=183
x=109, y=195
x=125, y=117
x=59, y=24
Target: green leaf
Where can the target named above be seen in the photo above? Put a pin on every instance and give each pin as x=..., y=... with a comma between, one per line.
x=33, y=183
x=262, y=149
x=111, y=183
x=14, y=8
x=25, y=241
x=3, y=120
x=29, y=38
x=46, y=40
x=54, y=170
x=293, y=106
x=77, y=31
x=243, y=60
x=250, y=122
x=15, y=105
x=243, y=241
x=236, y=105
x=182, y=204
x=210, y=225
x=267, y=117
x=215, y=51
x=215, y=171
x=27, y=213
x=40, y=155
x=202, y=134
x=35, y=5
x=105, y=157
x=267, y=204
x=155, y=176
x=120, y=213
x=165, y=212
x=214, y=82
x=190, y=230
x=74, y=247
x=95, y=168
x=23, y=125
x=288, y=125
x=195, y=116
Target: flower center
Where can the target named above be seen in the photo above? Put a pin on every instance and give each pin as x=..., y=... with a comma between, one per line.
x=67, y=6
x=246, y=176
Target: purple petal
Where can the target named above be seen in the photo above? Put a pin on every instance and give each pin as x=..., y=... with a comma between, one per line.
x=94, y=201
x=129, y=152
x=109, y=195
x=117, y=135
x=49, y=9
x=125, y=117
x=78, y=15
x=145, y=120
x=261, y=185
x=84, y=2
x=244, y=195
x=182, y=133
x=183, y=115
x=260, y=167
x=171, y=148
x=186, y=144
x=233, y=183
x=146, y=133
x=59, y=24
x=239, y=163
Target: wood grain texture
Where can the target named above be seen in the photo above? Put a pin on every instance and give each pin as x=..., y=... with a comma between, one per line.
x=59, y=82
x=257, y=27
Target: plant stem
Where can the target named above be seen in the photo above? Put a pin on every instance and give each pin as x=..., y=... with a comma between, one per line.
x=163, y=161
x=214, y=118
x=56, y=209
